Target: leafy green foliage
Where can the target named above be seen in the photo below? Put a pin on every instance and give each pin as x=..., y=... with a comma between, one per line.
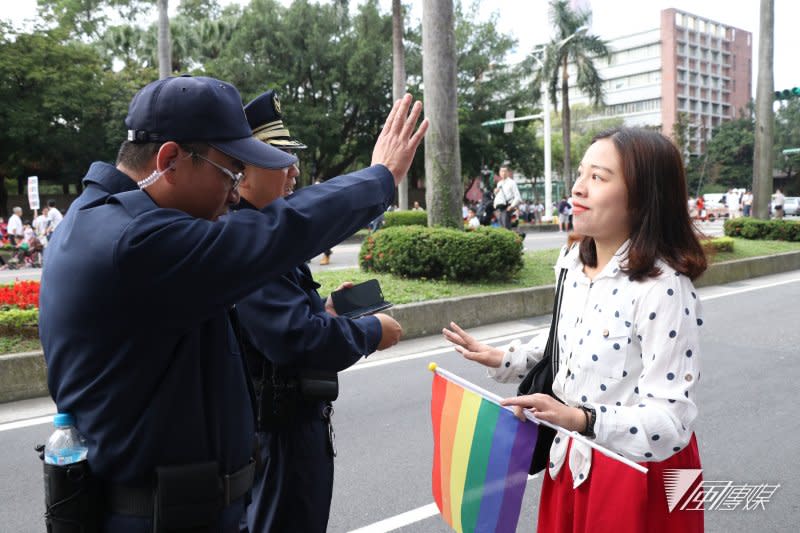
x=751, y=228
x=58, y=100
x=787, y=135
x=718, y=244
x=405, y=218
x=17, y=318
x=422, y=252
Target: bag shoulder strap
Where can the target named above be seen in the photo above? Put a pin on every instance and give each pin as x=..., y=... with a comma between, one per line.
x=551, y=349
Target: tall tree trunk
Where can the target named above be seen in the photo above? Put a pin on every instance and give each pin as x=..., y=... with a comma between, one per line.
x=164, y=44
x=399, y=79
x=565, y=128
x=765, y=118
x=444, y=191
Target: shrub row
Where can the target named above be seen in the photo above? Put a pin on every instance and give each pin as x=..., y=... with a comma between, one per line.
x=443, y=253
x=718, y=244
x=772, y=230
x=405, y=218
x=24, y=322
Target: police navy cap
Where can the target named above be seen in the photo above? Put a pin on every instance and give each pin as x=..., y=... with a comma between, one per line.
x=192, y=109
x=266, y=121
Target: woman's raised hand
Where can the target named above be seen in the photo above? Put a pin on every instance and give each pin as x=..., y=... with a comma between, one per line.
x=466, y=345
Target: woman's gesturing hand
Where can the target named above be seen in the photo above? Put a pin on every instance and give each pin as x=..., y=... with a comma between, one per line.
x=466, y=345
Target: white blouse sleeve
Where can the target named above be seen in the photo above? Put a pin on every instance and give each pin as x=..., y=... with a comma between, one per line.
x=519, y=358
x=667, y=325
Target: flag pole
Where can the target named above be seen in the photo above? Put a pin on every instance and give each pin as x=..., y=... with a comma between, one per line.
x=494, y=398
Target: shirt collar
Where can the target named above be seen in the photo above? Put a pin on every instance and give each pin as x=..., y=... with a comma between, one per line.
x=109, y=178
x=570, y=259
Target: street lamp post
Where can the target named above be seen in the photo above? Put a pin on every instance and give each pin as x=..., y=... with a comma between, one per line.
x=548, y=174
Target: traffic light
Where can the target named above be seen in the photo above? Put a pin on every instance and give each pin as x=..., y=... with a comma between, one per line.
x=788, y=94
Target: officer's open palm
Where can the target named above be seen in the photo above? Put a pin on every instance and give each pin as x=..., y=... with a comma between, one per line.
x=391, y=331
x=329, y=308
x=469, y=347
x=398, y=141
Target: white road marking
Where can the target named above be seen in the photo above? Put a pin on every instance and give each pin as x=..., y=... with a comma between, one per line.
x=404, y=519
x=17, y=424
x=437, y=351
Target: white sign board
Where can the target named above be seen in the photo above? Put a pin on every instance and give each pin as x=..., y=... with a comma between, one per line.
x=33, y=192
x=508, y=127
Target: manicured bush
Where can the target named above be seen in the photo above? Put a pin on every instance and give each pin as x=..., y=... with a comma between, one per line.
x=443, y=253
x=405, y=218
x=718, y=244
x=771, y=230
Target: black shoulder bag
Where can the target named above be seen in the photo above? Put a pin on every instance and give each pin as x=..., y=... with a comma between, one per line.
x=540, y=379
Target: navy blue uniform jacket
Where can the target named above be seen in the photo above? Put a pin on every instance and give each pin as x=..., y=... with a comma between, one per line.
x=133, y=314
x=286, y=322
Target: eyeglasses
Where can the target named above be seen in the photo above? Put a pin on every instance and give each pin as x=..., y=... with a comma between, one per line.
x=235, y=177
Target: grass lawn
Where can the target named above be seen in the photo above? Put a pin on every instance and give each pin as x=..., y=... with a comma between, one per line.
x=18, y=343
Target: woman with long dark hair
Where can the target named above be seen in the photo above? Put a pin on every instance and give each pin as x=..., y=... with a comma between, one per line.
x=628, y=337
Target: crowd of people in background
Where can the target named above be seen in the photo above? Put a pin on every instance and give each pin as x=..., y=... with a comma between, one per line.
x=27, y=238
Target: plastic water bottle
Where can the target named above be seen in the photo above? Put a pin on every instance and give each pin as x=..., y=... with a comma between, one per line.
x=65, y=445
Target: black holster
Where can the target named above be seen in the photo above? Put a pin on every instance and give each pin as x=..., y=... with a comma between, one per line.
x=281, y=396
x=73, y=500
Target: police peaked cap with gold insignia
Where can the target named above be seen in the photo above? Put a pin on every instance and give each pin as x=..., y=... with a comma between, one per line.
x=264, y=116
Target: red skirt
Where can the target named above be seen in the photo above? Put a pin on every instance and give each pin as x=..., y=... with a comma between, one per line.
x=616, y=498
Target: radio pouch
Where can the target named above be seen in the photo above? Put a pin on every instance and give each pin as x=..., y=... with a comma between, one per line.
x=187, y=498
x=72, y=499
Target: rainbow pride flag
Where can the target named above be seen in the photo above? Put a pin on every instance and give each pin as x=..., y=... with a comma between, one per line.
x=481, y=457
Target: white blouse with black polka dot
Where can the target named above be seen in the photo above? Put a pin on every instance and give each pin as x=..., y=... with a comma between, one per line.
x=629, y=349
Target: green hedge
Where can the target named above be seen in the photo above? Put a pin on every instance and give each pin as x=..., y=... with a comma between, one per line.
x=718, y=244
x=771, y=230
x=405, y=218
x=21, y=322
x=443, y=253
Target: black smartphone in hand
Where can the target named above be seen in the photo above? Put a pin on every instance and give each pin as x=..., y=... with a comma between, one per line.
x=362, y=299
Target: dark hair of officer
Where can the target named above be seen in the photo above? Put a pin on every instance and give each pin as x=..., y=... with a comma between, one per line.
x=659, y=215
x=137, y=156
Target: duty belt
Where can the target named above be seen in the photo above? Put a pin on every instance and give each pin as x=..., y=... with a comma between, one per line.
x=139, y=501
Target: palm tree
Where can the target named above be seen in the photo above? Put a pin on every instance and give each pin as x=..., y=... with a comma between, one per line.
x=571, y=45
x=762, y=160
x=443, y=190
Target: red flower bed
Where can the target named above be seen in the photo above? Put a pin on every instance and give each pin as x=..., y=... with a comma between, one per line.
x=20, y=294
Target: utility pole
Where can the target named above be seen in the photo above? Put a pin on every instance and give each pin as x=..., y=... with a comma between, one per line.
x=164, y=42
x=399, y=81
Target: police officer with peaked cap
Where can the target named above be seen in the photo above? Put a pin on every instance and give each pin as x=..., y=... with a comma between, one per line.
x=138, y=288
x=295, y=344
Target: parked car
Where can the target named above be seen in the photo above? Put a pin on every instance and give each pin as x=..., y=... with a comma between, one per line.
x=791, y=205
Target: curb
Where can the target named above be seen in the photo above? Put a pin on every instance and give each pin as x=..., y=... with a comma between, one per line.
x=23, y=375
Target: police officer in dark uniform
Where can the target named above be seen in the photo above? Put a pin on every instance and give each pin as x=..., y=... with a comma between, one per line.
x=137, y=291
x=296, y=344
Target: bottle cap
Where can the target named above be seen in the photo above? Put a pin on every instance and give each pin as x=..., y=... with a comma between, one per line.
x=63, y=419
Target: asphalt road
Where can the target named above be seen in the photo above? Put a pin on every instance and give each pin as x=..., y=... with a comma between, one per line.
x=748, y=427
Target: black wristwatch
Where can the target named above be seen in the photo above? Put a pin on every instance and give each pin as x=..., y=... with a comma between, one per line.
x=591, y=418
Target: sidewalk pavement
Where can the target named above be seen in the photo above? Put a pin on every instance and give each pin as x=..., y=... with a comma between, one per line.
x=23, y=375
